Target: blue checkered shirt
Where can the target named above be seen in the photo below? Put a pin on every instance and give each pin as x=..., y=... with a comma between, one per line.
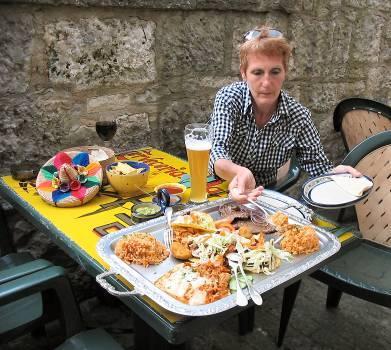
x=264, y=150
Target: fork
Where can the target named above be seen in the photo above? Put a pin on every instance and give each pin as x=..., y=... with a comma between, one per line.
x=168, y=235
x=241, y=299
x=236, y=259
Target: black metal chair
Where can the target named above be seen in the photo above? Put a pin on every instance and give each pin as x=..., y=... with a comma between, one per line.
x=363, y=270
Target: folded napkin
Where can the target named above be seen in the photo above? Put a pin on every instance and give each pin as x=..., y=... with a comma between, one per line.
x=355, y=186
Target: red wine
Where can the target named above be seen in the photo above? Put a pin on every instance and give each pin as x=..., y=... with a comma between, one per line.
x=106, y=129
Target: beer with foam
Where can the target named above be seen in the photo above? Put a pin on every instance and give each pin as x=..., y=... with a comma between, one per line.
x=198, y=144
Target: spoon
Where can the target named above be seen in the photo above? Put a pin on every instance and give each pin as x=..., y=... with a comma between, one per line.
x=241, y=299
x=168, y=214
x=235, y=258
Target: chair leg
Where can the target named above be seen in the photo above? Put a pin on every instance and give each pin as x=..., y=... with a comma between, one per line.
x=288, y=301
x=341, y=214
x=146, y=338
x=6, y=239
x=333, y=297
x=246, y=321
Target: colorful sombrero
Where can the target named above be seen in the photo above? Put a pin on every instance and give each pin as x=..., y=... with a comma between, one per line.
x=69, y=179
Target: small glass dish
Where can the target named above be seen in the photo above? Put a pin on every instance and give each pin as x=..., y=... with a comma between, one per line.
x=145, y=211
x=173, y=188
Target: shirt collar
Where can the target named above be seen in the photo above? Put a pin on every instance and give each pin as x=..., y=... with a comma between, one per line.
x=282, y=107
x=247, y=100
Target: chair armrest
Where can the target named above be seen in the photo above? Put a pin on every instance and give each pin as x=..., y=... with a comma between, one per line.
x=14, y=259
x=289, y=179
x=18, y=271
x=50, y=278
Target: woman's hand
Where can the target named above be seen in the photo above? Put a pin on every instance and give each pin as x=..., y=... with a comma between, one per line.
x=242, y=186
x=346, y=169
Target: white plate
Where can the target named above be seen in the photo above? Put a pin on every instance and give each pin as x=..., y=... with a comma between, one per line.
x=323, y=192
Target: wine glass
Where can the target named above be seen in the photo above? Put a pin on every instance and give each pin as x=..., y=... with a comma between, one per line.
x=106, y=130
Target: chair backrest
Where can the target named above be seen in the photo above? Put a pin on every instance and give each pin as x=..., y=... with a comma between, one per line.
x=359, y=118
x=372, y=157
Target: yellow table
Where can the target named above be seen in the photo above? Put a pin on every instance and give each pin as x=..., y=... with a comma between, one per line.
x=77, y=231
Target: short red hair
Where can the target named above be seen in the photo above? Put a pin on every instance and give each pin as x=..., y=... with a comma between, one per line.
x=266, y=45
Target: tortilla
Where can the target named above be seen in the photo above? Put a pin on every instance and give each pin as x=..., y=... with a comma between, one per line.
x=196, y=220
x=355, y=186
x=196, y=284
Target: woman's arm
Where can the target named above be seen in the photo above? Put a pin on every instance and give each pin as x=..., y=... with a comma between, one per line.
x=311, y=155
x=242, y=182
x=222, y=121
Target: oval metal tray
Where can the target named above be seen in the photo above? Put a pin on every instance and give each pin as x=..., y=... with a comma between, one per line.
x=143, y=278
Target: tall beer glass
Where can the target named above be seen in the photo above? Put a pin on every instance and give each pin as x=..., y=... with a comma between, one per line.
x=198, y=140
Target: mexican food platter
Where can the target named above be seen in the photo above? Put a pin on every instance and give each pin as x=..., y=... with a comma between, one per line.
x=159, y=280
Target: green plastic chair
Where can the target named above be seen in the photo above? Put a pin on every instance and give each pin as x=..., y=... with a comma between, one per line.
x=287, y=175
x=95, y=339
x=364, y=269
x=33, y=292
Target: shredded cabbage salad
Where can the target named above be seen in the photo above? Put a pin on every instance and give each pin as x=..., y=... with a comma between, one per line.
x=264, y=260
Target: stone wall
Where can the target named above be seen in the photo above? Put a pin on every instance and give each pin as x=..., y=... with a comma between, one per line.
x=156, y=66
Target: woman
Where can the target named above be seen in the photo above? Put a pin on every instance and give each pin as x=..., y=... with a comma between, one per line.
x=257, y=125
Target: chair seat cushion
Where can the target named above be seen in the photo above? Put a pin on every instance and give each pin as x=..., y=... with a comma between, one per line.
x=364, y=267
x=20, y=312
x=95, y=339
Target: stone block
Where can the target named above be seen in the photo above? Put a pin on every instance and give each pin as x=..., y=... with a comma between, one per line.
x=366, y=38
x=16, y=33
x=356, y=3
x=36, y=127
x=293, y=88
x=147, y=4
x=378, y=78
x=153, y=93
x=133, y=131
x=321, y=49
x=92, y=52
x=107, y=103
x=192, y=43
x=174, y=118
x=241, y=5
x=322, y=98
x=217, y=82
x=379, y=4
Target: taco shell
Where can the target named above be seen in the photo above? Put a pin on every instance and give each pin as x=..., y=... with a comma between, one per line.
x=196, y=220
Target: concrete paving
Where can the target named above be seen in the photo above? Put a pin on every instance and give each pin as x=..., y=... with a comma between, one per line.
x=356, y=324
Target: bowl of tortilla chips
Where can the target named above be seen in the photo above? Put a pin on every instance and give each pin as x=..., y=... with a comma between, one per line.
x=127, y=177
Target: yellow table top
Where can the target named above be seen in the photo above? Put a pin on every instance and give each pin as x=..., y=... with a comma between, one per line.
x=108, y=212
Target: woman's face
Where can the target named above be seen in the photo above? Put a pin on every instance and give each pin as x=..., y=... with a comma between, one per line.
x=265, y=76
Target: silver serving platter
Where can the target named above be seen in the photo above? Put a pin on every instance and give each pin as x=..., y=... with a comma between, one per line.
x=143, y=278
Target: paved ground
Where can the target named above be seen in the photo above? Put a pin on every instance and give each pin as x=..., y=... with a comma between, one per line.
x=356, y=324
